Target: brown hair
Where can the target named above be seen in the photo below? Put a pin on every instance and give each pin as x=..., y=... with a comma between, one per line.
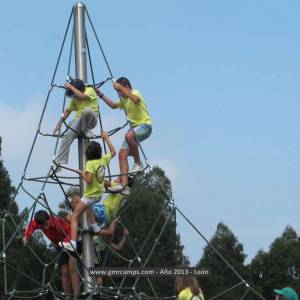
x=182, y=282
x=124, y=81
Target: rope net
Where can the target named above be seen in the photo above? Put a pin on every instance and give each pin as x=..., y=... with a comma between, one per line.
x=19, y=262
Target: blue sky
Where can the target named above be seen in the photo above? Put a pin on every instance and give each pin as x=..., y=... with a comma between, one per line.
x=221, y=81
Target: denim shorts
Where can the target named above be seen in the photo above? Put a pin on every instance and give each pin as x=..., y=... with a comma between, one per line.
x=142, y=132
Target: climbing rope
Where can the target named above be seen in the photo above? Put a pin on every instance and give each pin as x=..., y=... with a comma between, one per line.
x=117, y=291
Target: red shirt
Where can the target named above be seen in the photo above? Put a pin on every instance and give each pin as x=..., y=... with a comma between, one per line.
x=58, y=231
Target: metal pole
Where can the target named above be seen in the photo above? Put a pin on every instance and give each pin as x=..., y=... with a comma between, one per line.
x=81, y=73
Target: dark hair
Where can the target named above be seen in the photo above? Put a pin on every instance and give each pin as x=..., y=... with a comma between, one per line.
x=124, y=81
x=75, y=192
x=41, y=217
x=182, y=282
x=93, y=151
x=78, y=84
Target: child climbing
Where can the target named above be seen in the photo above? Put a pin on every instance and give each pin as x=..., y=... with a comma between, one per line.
x=94, y=177
x=105, y=215
x=135, y=107
x=85, y=104
x=57, y=229
x=102, y=243
x=106, y=211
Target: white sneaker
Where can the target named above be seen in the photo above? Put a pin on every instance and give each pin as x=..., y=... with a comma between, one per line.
x=88, y=134
x=95, y=227
x=71, y=246
x=136, y=168
x=116, y=188
x=125, y=191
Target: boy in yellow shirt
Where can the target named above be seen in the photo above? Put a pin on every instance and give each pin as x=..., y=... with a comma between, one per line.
x=135, y=107
x=94, y=177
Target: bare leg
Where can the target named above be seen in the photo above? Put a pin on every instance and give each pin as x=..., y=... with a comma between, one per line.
x=65, y=279
x=74, y=274
x=79, y=209
x=90, y=215
x=99, y=281
x=123, y=154
x=133, y=146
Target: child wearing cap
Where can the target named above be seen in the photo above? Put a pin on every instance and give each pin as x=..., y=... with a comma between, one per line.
x=285, y=294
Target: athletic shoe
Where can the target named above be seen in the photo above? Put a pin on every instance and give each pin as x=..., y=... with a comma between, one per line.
x=125, y=191
x=71, y=245
x=88, y=134
x=115, y=189
x=136, y=168
x=95, y=227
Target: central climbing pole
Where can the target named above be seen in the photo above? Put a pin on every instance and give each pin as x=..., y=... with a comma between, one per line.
x=81, y=73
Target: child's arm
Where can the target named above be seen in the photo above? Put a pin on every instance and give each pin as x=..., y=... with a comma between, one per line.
x=65, y=115
x=67, y=218
x=120, y=245
x=30, y=229
x=126, y=92
x=87, y=176
x=111, y=147
x=109, y=102
x=78, y=94
x=110, y=230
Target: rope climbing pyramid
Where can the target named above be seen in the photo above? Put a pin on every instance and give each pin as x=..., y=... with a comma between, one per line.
x=60, y=268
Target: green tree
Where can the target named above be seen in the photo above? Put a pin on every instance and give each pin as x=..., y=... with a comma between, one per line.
x=7, y=191
x=19, y=263
x=221, y=277
x=278, y=267
x=150, y=201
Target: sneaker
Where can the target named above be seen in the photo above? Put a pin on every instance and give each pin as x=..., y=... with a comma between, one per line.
x=126, y=191
x=136, y=168
x=95, y=227
x=71, y=245
x=88, y=134
x=117, y=188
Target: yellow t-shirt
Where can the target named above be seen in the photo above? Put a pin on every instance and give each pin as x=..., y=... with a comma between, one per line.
x=95, y=189
x=137, y=112
x=79, y=105
x=112, y=204
x=186, y=294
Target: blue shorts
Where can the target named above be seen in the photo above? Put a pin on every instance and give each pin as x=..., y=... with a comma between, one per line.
x=142, y=132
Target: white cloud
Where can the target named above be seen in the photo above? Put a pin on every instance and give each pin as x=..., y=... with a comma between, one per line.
x=17, y=129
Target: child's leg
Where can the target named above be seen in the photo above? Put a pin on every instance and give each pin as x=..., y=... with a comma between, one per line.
x=90, y=215
x=99, y=281
x=72, y=267
x=79, y=209
x=133, y=146
x=62, y=155
x=65, y=279
x=133, y=137
x=89, y=119
x=124, y=168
